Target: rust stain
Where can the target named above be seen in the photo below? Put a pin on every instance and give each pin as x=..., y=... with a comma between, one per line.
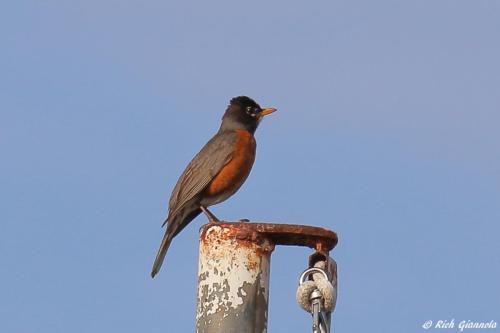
x=252, y=263
x=248, y=233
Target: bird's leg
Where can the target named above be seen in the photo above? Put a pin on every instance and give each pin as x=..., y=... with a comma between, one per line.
x=211, y=217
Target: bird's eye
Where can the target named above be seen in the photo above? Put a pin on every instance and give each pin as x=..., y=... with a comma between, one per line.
x=251, y=111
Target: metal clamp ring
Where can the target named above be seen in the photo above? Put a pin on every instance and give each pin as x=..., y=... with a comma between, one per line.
x=310, y=271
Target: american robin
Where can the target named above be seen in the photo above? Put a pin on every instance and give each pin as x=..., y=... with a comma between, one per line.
x=216, y=172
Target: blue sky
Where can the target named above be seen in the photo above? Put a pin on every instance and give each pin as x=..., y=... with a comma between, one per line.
x=387, y=132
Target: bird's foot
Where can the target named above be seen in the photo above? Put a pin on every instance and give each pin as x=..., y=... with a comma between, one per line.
x=211, y=217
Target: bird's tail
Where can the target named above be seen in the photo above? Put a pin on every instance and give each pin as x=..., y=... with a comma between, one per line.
x=160, y=256
x=174, y=224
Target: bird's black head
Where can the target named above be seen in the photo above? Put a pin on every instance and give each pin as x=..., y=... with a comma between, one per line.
x=244, y=113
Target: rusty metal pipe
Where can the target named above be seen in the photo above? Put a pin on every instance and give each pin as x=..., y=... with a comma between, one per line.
x=233, y=281
x=233, y=271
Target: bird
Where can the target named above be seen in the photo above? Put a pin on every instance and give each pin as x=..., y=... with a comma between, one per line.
x=216, y=172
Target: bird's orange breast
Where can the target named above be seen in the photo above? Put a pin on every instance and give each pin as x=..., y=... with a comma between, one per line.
x=234, y=173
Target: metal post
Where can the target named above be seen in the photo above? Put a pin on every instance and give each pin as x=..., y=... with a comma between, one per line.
x=233, y=271
x=233, y=282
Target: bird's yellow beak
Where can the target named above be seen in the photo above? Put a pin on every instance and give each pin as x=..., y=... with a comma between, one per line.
x=266, y=111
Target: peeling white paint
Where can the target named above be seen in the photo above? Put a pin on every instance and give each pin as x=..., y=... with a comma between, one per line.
x=226, y=268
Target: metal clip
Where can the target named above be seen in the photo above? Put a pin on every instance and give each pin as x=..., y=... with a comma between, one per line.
x=310, y=271
x=320, y=323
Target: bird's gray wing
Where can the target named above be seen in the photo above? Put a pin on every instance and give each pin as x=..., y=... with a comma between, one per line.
x=201, y=170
